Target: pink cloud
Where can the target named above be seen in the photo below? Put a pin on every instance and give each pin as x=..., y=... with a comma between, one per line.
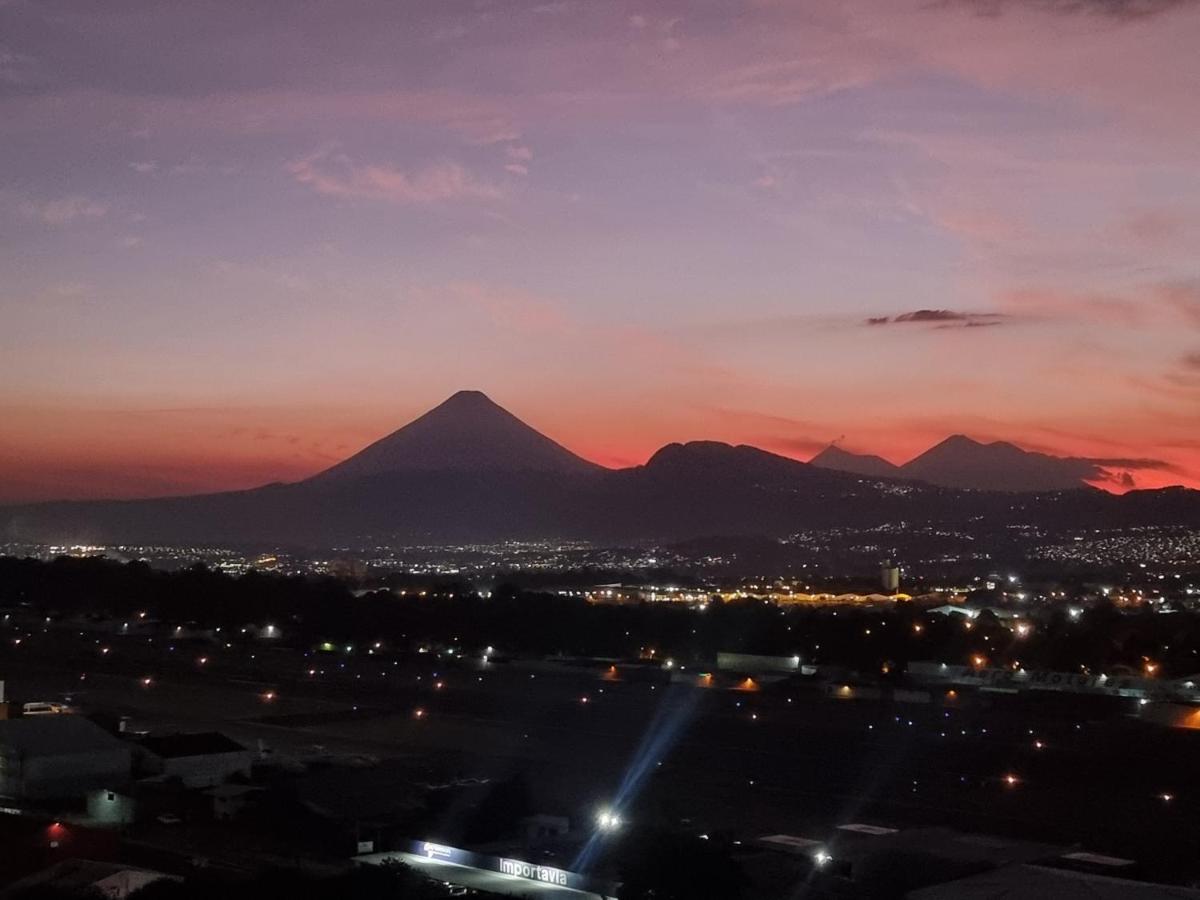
x=337, y=175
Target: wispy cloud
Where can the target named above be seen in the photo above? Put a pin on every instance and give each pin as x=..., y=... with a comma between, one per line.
x=781, y=83
x=519, y=157
x=65, y=210
x=336, y=175
x=1162, y=304
x=1183, y=297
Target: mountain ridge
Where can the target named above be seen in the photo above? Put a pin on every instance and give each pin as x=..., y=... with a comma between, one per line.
x=469, y=470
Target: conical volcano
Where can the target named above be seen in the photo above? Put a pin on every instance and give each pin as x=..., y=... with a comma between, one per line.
x=961, y=462
x=466, y=433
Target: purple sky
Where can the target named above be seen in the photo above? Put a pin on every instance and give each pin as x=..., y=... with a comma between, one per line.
x=239, y=240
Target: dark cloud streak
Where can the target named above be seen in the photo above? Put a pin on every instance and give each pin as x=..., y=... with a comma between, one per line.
x=1122, y=10
x=941, y=318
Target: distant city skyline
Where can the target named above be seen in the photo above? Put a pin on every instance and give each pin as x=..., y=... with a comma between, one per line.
x=238, y=246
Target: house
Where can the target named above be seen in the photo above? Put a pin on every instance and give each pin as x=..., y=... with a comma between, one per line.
x=200, y=760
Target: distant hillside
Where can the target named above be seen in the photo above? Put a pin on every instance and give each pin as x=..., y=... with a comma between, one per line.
x=834, y=457
x=967, y=464
x=961, y=462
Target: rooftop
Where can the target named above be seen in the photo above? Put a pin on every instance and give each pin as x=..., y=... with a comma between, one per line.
x=55, y=734
x=1038, y=883
x=205, y=743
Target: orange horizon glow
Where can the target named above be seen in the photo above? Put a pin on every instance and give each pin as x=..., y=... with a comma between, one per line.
x=86, y=457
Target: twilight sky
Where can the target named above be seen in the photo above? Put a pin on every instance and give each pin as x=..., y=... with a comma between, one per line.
x=240, y=240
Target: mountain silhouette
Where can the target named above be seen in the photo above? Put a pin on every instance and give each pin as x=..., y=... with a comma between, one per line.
x=469, y=471
x=964, y=463
x=834, y=457
x=469, y=433
x=960, y=462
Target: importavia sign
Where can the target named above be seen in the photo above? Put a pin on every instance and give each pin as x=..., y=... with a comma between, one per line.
x=518, y=868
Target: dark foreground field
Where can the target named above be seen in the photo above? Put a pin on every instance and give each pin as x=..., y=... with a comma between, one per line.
x=784, y=759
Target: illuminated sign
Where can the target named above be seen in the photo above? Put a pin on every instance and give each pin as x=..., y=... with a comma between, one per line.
x=439, y=851
x=533, y=871
x=517, y=868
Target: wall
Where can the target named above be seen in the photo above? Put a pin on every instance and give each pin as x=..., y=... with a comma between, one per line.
x=65, y=774
x=105, y=807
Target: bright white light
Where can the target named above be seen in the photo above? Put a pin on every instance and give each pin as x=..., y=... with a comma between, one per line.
x=822, y=857
x=607, y=820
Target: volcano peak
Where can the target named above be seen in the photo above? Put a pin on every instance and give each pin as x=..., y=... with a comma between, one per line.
x=466, y=432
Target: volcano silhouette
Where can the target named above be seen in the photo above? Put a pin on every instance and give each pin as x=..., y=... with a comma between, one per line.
x=466, y=433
